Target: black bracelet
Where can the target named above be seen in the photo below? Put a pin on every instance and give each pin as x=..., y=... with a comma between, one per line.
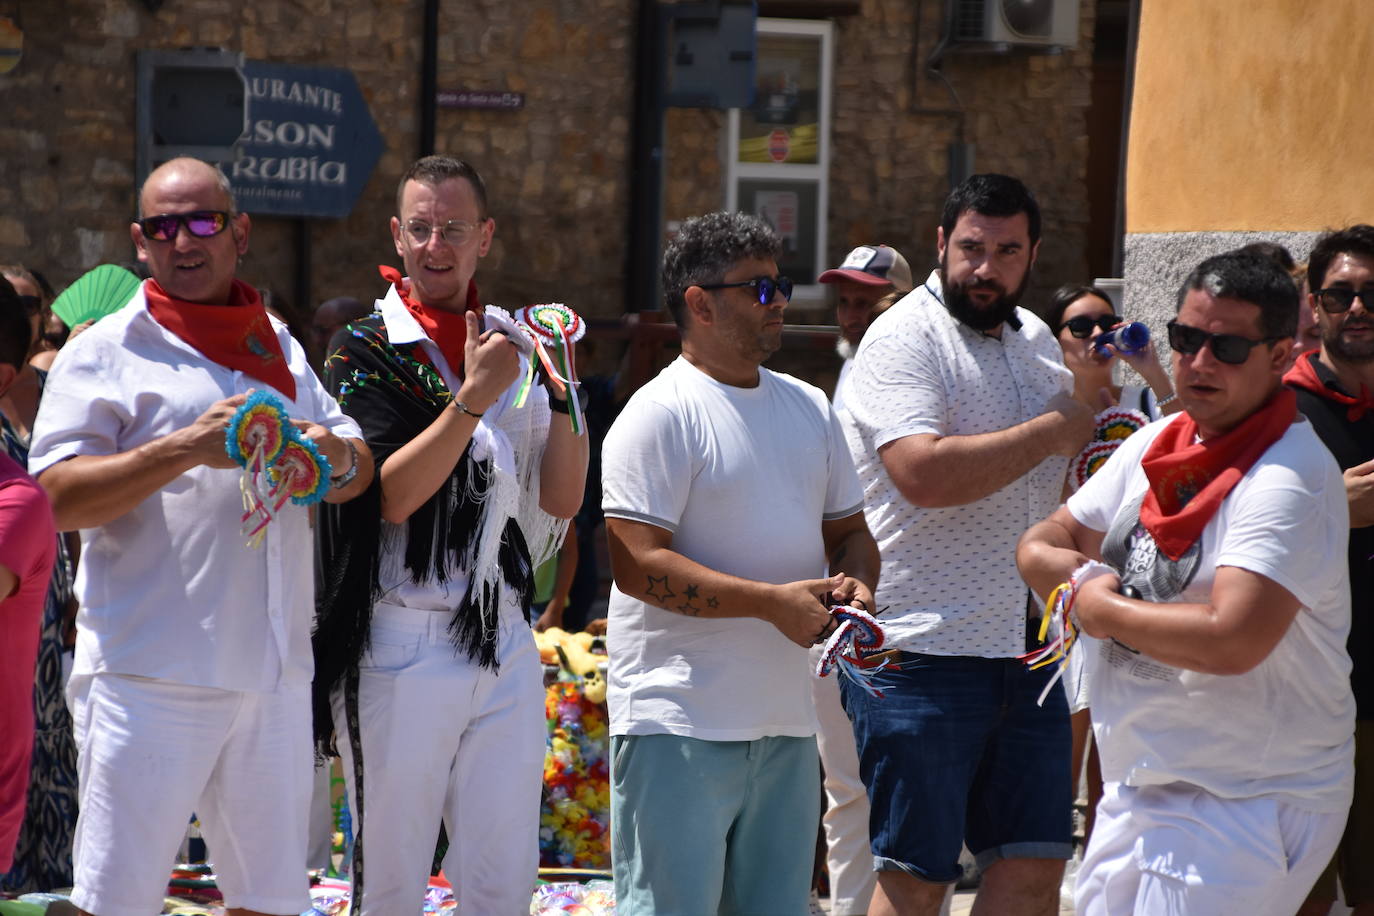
x=558, y=406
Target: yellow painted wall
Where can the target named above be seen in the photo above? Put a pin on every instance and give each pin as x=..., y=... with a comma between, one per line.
x=1252, y=115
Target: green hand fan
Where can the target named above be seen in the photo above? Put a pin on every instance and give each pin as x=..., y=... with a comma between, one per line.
x=95, y=294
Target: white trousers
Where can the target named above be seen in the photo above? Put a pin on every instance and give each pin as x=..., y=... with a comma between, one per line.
x=848, y=856
x=150, y=752
x=441, y=737
x=1179, y=851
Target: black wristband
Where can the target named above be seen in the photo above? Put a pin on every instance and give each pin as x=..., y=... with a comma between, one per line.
x=558, y=406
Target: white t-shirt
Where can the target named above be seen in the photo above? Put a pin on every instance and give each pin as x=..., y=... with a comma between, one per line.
x=1283, y=729
x=170, y=589
x=743, y=478
x=949, y=580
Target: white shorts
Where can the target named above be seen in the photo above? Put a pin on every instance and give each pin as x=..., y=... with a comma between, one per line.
x=151, y=752
x=1179, y=851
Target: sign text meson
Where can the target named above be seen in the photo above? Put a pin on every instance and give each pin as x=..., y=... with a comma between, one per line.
x=311, y=142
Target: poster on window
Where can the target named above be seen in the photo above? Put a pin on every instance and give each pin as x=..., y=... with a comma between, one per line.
x=783, y=124
x=791, y=208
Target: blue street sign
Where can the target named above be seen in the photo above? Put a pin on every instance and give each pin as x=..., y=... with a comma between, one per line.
x=311, y=142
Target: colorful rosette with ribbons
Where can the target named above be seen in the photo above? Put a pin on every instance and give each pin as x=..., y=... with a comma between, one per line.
x=300, y=474
x=1113, y=426
x=278, y=463
x=858, y=634
x=1059, y=626
x=555, y=328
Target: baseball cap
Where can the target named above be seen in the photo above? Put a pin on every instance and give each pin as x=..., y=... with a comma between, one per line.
x=873, y=265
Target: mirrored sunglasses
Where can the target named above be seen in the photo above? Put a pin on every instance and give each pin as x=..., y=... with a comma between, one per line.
x=201, y=223
x=767, y=287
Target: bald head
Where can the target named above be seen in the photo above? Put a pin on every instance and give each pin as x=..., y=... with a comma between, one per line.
x=184, y=170
x=188, y=232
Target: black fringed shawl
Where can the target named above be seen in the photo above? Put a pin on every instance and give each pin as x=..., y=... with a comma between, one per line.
x=394, y=394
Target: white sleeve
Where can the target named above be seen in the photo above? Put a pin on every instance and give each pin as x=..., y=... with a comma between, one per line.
x=1283, y=531
x=81, y=411
x=897, y=389
x=844, y=495
x=646, y=465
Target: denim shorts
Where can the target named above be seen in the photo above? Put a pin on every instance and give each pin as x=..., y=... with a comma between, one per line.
x=958, y=751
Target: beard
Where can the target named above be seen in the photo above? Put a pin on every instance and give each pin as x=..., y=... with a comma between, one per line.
x=845, y=348
x=1357, y=351
x=980, y=317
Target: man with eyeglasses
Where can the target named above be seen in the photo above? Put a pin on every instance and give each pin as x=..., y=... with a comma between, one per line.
x=727, y=490
x=1209, y=557
x=428, y=682
x=960, y=419
x=191, y=685
x=1335, y=390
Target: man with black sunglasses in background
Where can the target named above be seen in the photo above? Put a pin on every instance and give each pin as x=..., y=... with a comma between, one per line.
x=960, y=419
x=727, y=491
x=1335, y=389
x=191, y=686
x=1209, y=557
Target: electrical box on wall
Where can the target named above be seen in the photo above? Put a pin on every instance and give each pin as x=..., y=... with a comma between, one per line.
x=1001, y=25
x=189, y=103
x=711, y=48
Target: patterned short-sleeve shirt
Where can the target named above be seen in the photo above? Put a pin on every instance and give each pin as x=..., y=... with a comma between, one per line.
x=949, y=579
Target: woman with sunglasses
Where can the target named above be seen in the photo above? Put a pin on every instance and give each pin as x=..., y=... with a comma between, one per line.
x=1078, y=315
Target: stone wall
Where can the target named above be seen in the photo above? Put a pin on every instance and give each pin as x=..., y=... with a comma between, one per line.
x=1026, y=115
x=558, y=170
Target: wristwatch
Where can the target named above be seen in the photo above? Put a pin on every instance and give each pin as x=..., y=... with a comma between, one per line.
x=347, y=476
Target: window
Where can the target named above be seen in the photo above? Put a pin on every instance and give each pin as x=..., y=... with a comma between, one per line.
x=779, y=150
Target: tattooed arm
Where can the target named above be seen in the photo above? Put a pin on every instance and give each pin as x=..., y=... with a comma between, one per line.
x=854, y=554
x=646, y=567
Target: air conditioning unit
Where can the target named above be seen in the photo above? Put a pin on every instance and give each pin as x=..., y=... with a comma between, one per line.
x=994, y=25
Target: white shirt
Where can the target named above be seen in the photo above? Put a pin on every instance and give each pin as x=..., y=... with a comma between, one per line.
x=949, y=577
x=743, y=478
x=170, y=589
x=1284, y=728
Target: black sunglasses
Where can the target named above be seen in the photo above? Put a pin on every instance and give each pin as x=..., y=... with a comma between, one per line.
x=1336, y=300
x=1231, y=349
x=201, y=223
x=767, y=287
x=32, y=304
x=1082, y=326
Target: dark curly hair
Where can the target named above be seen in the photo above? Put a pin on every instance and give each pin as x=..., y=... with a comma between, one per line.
x=705, y=249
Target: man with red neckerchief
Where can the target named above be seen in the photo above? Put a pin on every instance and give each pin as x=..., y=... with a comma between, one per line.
x=190, y=690
x=1335, y=390
x=428, y=683
x=1209, y=557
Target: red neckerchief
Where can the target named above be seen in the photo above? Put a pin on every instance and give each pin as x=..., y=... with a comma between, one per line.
x=237, y=335
x=1189, y=479
x=1304, y=375
x=448, y=331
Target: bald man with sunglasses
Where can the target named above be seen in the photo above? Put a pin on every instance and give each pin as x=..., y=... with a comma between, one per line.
x=1209, y=558
x=191, y=685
